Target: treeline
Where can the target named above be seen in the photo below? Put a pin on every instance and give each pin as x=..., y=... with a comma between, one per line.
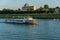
x=24, y=12
x=45, y=9
x=6, y=11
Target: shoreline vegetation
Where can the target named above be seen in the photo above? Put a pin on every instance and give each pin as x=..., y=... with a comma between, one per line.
x=35, y=16
x=44, y=12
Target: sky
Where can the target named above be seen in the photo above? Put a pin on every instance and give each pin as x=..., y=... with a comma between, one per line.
x=15, y=4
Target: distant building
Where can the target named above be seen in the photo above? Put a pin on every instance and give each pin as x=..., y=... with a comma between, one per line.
x=57, y=10
x=25, y=7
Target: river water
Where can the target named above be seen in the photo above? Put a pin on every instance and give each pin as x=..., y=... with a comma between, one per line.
x=45, y=30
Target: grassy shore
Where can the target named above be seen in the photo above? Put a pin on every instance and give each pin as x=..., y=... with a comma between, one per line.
x=36, y=16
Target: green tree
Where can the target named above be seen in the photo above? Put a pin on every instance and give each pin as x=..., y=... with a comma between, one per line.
x=46, y=6
x=7, y=9
x=40, y=9
x=29, y=9
x=19, y=9
x=51, y=9
x=4, y=9
x=57, y=7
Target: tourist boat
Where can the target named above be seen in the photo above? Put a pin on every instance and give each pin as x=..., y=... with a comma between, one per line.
x=28, y=20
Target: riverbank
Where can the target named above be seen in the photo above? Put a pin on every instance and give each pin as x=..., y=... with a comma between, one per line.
x=36, y=16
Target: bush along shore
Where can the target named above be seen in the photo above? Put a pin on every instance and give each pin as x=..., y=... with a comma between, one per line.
x=36, y=16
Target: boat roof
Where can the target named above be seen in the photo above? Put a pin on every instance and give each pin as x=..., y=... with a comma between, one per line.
x=21, y=19
x=17, y=19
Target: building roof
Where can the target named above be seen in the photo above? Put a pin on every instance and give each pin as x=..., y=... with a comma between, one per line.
x=26, y=4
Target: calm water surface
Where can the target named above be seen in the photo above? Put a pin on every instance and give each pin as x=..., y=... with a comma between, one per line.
x=45, y=30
